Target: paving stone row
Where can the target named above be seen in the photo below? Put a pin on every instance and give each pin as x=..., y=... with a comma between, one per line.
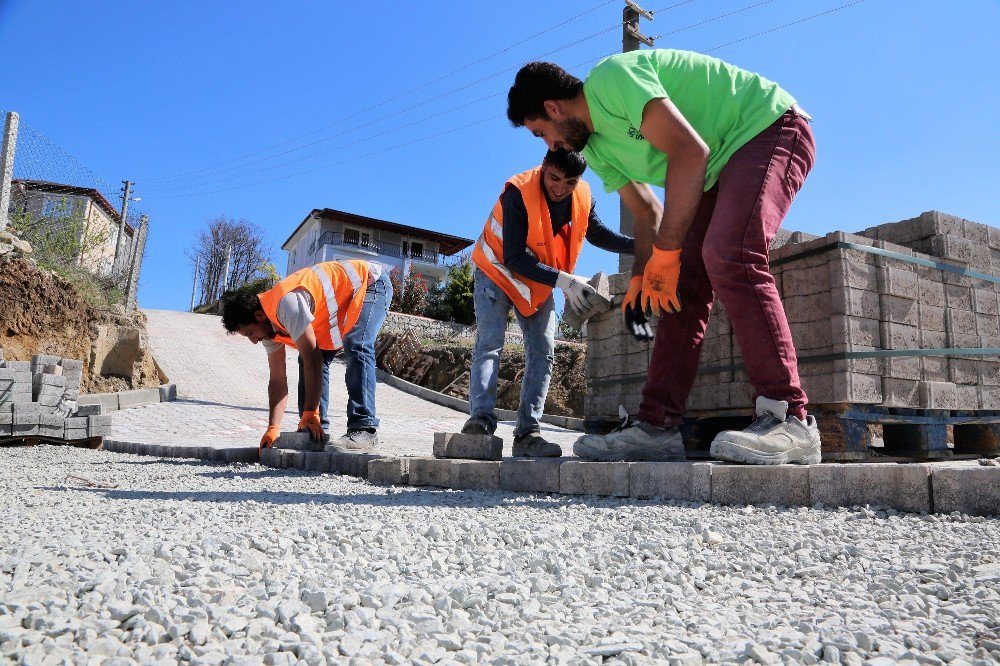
x=967, y=487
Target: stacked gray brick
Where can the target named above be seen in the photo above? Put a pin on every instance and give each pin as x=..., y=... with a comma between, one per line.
x=841, y=300
x=38, y=398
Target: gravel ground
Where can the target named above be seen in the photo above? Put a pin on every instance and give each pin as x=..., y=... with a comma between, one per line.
x=202, y=563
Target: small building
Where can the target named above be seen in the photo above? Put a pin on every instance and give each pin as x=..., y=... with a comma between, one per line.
x=330, y=235
x=84, y=207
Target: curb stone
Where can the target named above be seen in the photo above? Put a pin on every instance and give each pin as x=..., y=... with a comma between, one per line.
x=914, y=487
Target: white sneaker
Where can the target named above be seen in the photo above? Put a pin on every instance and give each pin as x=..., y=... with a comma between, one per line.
x=638, y=441
x=773, y=439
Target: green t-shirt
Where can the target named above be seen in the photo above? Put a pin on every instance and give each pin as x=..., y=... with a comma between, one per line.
x=726, y=105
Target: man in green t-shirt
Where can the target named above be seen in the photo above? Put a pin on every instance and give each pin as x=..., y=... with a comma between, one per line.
x=731, y=149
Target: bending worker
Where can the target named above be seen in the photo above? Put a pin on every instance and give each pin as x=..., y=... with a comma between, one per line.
x=319, y=311
x=529, y=245
x=732, y=149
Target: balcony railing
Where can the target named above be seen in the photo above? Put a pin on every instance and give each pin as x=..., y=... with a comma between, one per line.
x=376, y=247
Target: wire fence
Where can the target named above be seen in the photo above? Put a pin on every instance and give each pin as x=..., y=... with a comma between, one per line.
x=71, y=217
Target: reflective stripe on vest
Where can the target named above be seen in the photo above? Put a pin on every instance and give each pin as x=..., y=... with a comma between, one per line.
x=331, y=304
x=352, y=275
x=491, y=257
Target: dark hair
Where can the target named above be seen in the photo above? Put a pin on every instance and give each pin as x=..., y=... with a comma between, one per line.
x=238, y=310
x=535, y=83
x=572, y=164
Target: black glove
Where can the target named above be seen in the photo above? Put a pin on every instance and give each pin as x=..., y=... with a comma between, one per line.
x=636, y=323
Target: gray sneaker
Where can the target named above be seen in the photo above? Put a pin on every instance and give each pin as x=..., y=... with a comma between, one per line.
x=533, y=445
x=773, y=439
x=633, y=441
x=478, y=425
x=355, y=441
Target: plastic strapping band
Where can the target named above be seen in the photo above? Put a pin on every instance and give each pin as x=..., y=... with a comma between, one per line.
x=824, y=358
x=951, y=268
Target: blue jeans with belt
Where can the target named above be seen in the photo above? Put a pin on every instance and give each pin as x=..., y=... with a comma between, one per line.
x=359, y=354
x=539, y=331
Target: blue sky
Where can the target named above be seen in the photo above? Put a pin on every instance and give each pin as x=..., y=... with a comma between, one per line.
x=194, y=102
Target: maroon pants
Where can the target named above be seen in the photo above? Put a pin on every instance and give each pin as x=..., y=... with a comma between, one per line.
x=725, y=254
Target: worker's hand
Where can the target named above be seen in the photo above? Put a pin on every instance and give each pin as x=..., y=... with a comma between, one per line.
x=268, y=439
x=310, y=422
x=636, y=323
x=632, y=295
x=578, y=293
x=659, y=282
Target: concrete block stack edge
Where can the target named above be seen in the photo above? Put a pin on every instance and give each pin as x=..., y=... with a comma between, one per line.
x=843, y=300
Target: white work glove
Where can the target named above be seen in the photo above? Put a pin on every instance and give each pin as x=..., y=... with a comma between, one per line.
x=578, y=293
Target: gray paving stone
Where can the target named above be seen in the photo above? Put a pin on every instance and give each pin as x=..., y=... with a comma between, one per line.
x=300, y=441
x=431, y=472
x=594, y=478
x=901, y=487
x=317, y=461
x=243, y=454
x=784, y=485
x=127, y=399
x=389, y=471
x=89, y=410
x=475, y=475
x=530, y=475
x=686, y=481
x=270, y=457
x=973, y=490
x=290, y=458
x=472, y=447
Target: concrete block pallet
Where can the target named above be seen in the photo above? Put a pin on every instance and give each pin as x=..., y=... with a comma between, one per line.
x=900, y=320
x=969, y=487
x=39, y=403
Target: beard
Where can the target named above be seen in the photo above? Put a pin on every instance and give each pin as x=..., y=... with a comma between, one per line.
x=575, y=133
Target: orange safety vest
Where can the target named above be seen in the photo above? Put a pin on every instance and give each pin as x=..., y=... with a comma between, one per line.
x=560, y=251
x=338, y=292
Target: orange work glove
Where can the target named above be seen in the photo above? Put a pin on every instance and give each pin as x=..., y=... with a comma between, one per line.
x=632, y=295
x=268, y=439
x=659, y=282
x=310, y=422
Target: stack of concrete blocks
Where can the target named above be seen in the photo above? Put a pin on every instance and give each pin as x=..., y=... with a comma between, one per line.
x=38, y=399
x=841, y=300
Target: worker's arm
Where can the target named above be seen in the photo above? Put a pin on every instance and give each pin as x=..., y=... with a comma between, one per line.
x=312, y=369
x=668, y=131
x=277, y=395
x=515, y=240
x=601, y=236
x=646, y=212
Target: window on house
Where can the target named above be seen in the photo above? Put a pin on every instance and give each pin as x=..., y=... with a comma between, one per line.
x=358, y=237
x=416, y=249
x=57, y=207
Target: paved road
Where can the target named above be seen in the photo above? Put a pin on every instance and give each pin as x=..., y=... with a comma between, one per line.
x=222, y=385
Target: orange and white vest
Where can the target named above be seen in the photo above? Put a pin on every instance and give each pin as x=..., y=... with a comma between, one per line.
x=338, y=292
x=560, y=251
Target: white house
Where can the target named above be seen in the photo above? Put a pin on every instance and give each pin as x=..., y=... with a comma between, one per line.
x=331, y=235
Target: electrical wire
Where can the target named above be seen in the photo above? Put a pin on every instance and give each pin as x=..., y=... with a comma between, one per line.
x=740, y=40
x=396, y=97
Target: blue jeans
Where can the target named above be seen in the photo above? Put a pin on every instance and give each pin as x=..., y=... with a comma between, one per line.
x=539, y=330
x=359, y=353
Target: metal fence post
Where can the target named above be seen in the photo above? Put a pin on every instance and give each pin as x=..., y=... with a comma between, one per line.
x=7, y=166
x=138, y=249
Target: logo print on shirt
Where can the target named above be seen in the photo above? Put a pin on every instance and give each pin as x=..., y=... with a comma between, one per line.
x=635, y=134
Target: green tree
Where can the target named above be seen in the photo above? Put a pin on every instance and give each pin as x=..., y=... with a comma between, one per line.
x=453, y=300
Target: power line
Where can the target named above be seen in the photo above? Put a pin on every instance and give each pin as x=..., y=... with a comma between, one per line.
x=742, y=39
x=326, y=166
x=396, y=97
x=401, y=112
x=786, y=25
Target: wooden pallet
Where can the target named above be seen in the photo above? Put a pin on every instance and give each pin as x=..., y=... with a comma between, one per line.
x=860, y=433
x=35, y=440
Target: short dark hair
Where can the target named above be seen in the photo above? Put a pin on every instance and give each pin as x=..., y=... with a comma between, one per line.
x=572, y=164
x=535, y=83
x=238, y=310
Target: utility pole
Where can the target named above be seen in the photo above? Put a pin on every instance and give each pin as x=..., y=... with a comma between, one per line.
x=7, y=165
x=225, y=271
x=135, y=265
x=126, y=197
x=194, y=283
x=631, y=39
